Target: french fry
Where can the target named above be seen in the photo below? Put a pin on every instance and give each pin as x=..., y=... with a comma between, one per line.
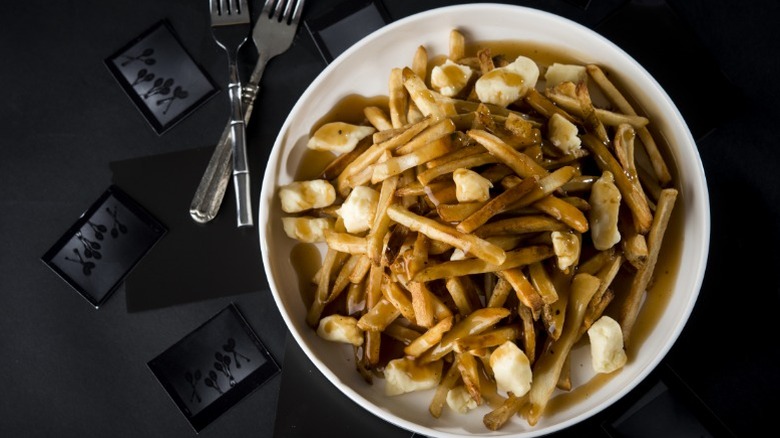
x=520, y=225
x=498, y=204
x=498, y=417
x=547, y=368
x=379, y=316
x=451, y=377
x=469, y=372
x=564, y=212
x=630, y=308
x=521, y=163
x=457, y=45
x=606, y=117
x=428, y=339
x=514, y=259
x=463, y=293
x=490, y=338
x=401, y=333
x=378, y=118
x=398, y=98
x=345, y=242
x=438, y=231
x=542, y=282
x=421, y=95
x=468, y=162
x=525, y=291
x=398, y=164
x=500, y=293
x=477, y=322
x=420, y=62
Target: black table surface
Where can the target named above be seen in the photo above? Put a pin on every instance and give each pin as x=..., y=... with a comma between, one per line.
x=70, y=370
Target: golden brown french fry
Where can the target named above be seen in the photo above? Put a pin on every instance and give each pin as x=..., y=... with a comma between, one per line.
x=421, y=296
x=547, y=368
x=448, y=382
x=490, y=338
x=546, y=108
x=428, y=339
x=398, y=297
x=514, y=259
x=421, y=95
x=323, y=288
x=630, y=308
x=498, y=204
x=398, y=98
x=468, y=162
x=464, y=294
x=372, y=346
x=435, y=230
x=526, y=293
x=379, y=316
x=477, y=322
x=469, y=372
x=436, y=131
x=356, y=298
x=337, y=166
x=592, y=123
x=457, y=212
x=398, y=164
x=420, y=62
x=500, y=293
x=401, y=332
x=542, y=282
x=342, y=279
x=608, y=118
x=529, y=332
x=498, y=417
x=378, y=118
x=372, y=154
x=345, y=242
x=634, y=197
x=457, y=45
x=381, y=224
x=520, y=225
x=564, y=212
x=485, y=60
x=521, y=163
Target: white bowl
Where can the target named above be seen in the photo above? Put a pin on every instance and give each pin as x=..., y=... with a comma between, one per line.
x=363, y=70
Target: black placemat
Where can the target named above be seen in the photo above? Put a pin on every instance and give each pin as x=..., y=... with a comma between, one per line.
x=195, y=261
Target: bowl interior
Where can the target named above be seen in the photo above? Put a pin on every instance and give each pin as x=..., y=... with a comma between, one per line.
x=363, y=70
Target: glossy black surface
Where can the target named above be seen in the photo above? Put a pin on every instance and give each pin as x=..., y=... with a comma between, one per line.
x=73, y=371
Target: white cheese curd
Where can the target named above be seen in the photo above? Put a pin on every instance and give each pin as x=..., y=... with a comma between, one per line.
x=405, y=375
x=338, y=137
x=471, y=186
x=505, y=85
x=558, y=73
x=306, y=228
x=511, y=369
x=605, y=208
x=450, y=78
x=459, y=400
x=563, y=134
x=567, y=247
x=339, y=328
x=304, y=195
x=359, y=209
x=606, y=345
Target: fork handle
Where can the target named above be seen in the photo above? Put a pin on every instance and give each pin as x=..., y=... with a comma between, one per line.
x=240, y=164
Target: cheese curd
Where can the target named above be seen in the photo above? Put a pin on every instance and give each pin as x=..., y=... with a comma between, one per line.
x=559, y=73
x=339, y=328
x=511, y=369
x=459, y=400
x=359, y=208
x=471, y=186
x=299, y=196
x=338, y=137
x=505, y=85
x=306, y=228
x=450, y=78
x=566, y=246
x=605, y=208
x=563, y=134
x=405, y=375
x=606, y=345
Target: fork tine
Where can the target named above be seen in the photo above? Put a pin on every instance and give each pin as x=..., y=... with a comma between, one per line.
x=269, y=4
x=278, y=11
x=243, y=7
x=297, y=13
x=287, y=9
x=214, y=7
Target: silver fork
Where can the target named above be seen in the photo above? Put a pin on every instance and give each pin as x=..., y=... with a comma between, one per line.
x=272, y=34
x=230, y=27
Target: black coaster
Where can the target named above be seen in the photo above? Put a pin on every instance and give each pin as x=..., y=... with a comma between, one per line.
x=98, y=251
x=211, y=369
x=160, y=77
x=345, y=24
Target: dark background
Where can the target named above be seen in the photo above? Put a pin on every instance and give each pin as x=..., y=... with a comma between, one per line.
x=70, y=370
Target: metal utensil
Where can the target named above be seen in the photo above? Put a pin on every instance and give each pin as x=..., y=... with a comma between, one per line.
x=230, y=27
x=272, y=34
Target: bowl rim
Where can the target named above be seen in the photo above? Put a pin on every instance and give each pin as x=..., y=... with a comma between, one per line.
x=701, y=204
